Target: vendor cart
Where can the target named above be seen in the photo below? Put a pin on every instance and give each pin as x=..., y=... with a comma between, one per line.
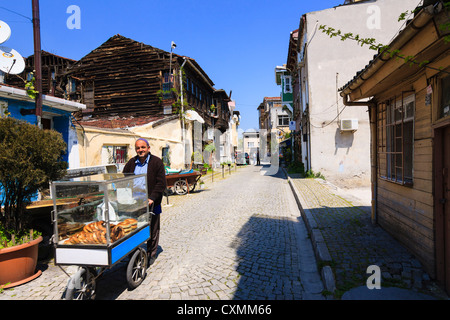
x=184, y=181
x=107, y=220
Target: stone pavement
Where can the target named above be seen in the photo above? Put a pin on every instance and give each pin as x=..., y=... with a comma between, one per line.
x=256, y=235
x=347, y=243
x=241, y=238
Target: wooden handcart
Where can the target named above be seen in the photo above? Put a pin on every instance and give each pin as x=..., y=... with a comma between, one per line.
x=183, y=182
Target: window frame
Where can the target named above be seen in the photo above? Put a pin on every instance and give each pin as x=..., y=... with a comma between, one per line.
x=3, y=108
x=112, y=153
x=441, y=113
x=395, y=153
x=287, y=84
x=280, y=117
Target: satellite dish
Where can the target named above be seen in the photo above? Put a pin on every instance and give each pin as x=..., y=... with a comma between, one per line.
x=11, y=61
x=5, y=31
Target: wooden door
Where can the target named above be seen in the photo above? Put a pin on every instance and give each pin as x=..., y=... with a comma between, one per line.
x=446, y=201
x=442, y=205
x=46, y=124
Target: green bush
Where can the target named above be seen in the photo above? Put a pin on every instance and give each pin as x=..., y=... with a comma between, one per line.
x=296, y=167
x=29, y=159
x=312, y=174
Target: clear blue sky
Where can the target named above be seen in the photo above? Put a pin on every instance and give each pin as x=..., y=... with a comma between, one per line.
x=237, y=42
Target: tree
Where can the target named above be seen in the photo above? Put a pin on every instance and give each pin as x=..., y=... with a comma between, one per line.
x=29, y=159
x=209, y=149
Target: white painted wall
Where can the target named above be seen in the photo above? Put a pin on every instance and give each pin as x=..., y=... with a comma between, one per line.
x=74, y=154
x=331, y=63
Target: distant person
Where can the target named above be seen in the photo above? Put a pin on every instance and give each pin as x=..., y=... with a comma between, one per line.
x=257, y=158
x=146, y=163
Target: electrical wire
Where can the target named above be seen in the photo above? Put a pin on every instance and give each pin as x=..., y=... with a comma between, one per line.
x=19, y=14
x=326, y=125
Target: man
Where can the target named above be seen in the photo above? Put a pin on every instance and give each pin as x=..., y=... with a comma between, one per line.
x=146, y=163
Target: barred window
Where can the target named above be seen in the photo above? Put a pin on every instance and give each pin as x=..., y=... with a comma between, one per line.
x=396, y=139
x=115, y=154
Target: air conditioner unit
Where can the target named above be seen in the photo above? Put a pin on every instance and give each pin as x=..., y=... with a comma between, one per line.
x=349, y=125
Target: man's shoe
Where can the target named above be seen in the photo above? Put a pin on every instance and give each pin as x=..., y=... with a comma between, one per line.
x=151, y=261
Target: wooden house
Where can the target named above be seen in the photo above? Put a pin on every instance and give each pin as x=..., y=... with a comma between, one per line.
x=409, y=106
x=130, y=88
x=53, y=81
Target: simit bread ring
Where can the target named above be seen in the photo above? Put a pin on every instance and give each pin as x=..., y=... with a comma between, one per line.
x=117, y=233
x=100, y=225
x=74, y=239
x=88, y=228
x=96, y=237
x=103, y=237
x=89, y=238
x=83, y=238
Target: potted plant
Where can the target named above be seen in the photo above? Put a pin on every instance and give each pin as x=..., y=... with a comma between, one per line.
x=29, y=159
x=212, y=109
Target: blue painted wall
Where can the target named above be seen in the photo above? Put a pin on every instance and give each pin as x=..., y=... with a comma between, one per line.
x=61, y=122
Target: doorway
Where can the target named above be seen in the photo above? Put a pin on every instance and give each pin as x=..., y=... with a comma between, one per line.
x=442, y=204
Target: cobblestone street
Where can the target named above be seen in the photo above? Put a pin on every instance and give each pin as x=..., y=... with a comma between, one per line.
x=241, y=237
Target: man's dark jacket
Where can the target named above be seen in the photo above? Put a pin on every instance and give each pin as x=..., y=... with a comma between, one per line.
x=156, y=177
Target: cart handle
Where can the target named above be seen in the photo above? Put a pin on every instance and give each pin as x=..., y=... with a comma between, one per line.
x=151, y=209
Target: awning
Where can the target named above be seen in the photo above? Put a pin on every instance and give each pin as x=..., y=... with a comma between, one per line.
x=194, y=116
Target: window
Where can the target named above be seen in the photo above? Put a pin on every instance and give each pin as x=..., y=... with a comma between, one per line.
x=3, y=108
x=396, y=139
x=166, y=156
x=166, y=86
x=115, y=154
x=287, y=84
x=283, y=120
x=72, y=85
x=445, y=97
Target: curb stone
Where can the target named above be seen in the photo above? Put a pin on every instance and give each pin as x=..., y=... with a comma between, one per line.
x=320, y=248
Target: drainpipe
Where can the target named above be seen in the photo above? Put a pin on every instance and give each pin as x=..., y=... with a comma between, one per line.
x=182, y=111
x=372, y=108
x=85, y=140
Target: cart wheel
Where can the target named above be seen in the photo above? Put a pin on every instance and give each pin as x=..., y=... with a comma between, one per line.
x=137, y=268
x=87, y=289
x=180, y=187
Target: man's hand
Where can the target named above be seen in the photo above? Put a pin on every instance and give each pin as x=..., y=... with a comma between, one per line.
x=150, y=202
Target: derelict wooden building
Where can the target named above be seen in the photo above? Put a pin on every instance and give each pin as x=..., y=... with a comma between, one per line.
x=124, y=77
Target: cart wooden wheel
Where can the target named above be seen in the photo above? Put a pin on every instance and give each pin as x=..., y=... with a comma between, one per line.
x=180, y=187
x=137, y=268
x=87, y=289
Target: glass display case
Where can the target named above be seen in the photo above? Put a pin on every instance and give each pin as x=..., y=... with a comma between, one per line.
x=99, y=218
